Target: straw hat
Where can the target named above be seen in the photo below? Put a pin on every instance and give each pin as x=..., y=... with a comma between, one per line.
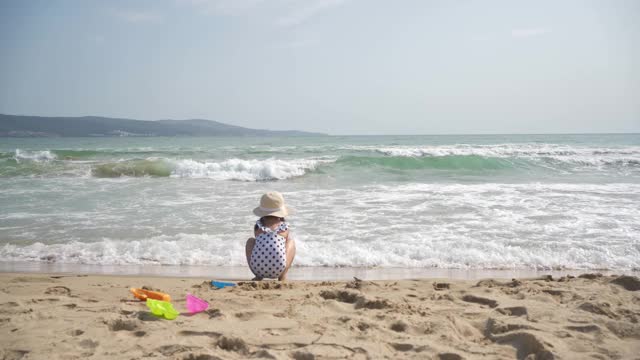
x=272, y=204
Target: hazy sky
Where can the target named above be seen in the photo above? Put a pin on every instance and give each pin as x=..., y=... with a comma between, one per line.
x=335, y=66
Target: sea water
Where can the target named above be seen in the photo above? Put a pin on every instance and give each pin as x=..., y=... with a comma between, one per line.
x=448, y=202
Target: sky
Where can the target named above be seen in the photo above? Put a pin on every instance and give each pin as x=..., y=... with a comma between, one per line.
x=333, y=66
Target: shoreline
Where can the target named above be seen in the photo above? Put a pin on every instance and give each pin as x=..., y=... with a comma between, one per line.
x=73, y=316
x=242, y=273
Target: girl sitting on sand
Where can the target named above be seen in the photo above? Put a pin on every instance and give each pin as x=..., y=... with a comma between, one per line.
x=271, y=252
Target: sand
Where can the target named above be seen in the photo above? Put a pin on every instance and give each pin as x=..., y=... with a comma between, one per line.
x=49, y=316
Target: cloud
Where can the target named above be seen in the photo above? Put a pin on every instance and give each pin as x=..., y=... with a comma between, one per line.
x=521, y=33
x=137, y=17
x=311, y=9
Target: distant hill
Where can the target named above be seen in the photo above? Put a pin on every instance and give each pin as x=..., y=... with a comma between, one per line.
x=37, y=126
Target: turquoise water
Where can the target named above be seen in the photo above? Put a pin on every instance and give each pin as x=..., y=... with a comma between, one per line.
x=464, y=202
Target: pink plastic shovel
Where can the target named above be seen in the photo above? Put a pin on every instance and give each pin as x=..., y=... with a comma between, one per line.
x=195, y=304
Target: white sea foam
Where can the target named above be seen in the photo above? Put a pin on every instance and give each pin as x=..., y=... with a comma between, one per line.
x=180, y=249
x=478, y=226
x=509, y=149
x=37, y=156
x=587, y=155
x=245, y=170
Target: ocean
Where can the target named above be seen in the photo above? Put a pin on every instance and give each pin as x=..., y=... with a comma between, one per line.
x=518, y=202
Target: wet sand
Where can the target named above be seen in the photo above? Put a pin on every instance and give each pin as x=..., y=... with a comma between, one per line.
x=297, y=272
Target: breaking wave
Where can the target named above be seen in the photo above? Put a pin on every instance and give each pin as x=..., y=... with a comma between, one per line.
x=507, y=150
x=232, y=169
x=246, y=170
x=37, y=156
x=286, y=162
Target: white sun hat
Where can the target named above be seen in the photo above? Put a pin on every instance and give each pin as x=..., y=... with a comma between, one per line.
x=272, y=204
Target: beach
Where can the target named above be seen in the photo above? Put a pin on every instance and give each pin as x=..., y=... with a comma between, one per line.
x=440, y=180
x=435, y=229
x=73, y=316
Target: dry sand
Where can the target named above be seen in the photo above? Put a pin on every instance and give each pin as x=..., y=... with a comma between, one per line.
x=77, y=317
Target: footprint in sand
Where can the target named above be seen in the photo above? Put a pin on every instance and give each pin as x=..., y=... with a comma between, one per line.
x=248, y=315
x=513, y=311
x=441, y=286
x=495, y=327
x=480, y=300
x=584, y=329
x=590, y=276
x=554, y=292
x=199, y=333
x=58, y=290
x=170, y=350
x=630, y=283
x=373, y=304
x=76, y=332
x=363, y=326
x=449, y=356
x=233, y=344
x=527, y=345
x=624, y=330
x=599, y=309
x=13, y=308
x=120, y=325
x=13, y=354
x=302, y=355
x=88, y=344
x=399, y=326
x=351, y=297
x=344, y=296
x=213, y=313
x=45, y=300
x=202, y=357
x=401, y=347
x=263, y=354
x=332, y=351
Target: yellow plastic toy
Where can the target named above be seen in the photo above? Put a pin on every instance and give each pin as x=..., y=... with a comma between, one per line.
x=162, y=309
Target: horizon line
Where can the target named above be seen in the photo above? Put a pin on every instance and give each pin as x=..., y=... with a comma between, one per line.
x=327, y=134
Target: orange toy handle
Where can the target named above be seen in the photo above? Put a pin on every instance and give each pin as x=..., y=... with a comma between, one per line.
x=143, y=295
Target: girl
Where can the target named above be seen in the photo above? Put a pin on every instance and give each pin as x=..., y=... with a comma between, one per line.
x=271, y=252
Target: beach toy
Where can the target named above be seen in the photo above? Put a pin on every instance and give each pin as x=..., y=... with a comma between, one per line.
x=143, y=295
x=195, y=304
x=221, y=284
x=162, y=309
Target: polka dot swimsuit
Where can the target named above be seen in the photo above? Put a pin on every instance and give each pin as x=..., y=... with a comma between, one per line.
x=269, y=257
